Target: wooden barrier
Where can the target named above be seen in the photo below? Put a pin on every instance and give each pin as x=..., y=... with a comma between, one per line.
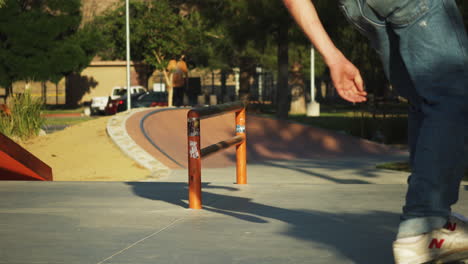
x=195, y=153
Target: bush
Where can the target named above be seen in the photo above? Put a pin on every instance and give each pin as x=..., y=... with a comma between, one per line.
x=25, y=120
x=388, y=130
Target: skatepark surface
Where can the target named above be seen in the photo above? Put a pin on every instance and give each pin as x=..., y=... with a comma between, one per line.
x=313, y=196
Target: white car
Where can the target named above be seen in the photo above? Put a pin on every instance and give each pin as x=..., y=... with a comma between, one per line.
x=121, y=91
x=98, y=104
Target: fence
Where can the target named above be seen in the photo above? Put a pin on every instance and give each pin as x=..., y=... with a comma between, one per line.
x=195, y=153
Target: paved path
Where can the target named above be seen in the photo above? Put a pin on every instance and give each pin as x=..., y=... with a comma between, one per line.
x=271, y=223
x=320, y=207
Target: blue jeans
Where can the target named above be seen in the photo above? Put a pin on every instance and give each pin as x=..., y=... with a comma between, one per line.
x=424, y=49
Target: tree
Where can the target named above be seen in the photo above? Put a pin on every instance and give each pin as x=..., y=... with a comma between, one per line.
x=160, y=32
x=42, y=41
x=248, y=29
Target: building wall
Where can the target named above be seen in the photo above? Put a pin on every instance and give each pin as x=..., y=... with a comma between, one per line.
x=97, y=79
x=49, y=92
x=100, y=77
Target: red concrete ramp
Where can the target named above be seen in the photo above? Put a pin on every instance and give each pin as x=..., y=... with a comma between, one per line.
x=267, y=139
x=17, y=164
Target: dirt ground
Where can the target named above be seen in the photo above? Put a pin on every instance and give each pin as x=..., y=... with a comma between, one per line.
x=84, y=152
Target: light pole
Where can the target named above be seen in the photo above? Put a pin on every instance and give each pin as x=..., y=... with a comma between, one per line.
x=129, y=92
x=259, y=71
x=313, y=108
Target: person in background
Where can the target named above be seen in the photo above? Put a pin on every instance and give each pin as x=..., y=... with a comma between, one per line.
x=179, y=79
x=423, y=46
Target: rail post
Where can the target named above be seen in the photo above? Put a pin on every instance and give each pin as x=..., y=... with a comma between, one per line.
x=241, y=149
x=194, y=151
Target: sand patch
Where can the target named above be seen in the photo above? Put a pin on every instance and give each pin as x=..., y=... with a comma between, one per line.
x=84, y=152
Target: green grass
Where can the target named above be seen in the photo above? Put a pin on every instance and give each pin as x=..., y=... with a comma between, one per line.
x=68, y=121
x=387, y=124
x=398, y=166
x=57, y=110
x=388, y=129
x=404, y=166
x=64, y=121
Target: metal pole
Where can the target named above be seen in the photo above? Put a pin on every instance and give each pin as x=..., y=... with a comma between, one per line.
x=313, y=108
x=237, y=80
x=241, y=149
x=312, y=74
x=260, y=83
x=194, y=160
x=129, y=92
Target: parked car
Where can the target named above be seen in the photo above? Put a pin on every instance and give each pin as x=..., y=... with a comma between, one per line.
x=151, y=99
x=118, y=91
x=147, y=99
x=99, y=104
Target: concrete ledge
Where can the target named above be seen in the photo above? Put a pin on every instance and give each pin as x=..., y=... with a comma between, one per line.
x=118, y=133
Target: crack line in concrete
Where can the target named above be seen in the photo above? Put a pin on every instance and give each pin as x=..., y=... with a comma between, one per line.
x=141, y=240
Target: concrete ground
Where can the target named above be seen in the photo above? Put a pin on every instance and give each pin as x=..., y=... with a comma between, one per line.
x=276, y=218
x=317, y=209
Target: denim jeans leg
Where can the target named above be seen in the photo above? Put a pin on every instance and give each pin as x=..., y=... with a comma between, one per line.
x=437, y=92
x=440, y=76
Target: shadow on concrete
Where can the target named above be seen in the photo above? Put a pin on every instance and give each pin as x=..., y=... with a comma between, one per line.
x=77, y=86
x=305, y=168
x=360, y=237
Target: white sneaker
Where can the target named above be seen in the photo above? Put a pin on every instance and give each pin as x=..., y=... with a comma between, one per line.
x=443, y=245
x=457, y=220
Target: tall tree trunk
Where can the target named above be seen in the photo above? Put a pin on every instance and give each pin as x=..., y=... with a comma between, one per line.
x=44, y=92
x=246, y=73
x=283, y=96
x=297, y=84
x=57, y=93
x=223, y=85
x=168, y=78
x=8, y=93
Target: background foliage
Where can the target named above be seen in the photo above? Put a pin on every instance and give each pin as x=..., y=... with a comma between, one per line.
x=43, y=41
x=25, y=120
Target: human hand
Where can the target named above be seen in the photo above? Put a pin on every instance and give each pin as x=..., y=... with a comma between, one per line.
x=347, y=80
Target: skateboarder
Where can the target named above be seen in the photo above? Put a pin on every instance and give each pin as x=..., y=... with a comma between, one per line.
x=423, y=46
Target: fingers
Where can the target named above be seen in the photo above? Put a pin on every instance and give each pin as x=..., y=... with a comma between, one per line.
x=351, y=96
x=359, y=83
x=355, y=92
x=348, y=82
x=351, y=92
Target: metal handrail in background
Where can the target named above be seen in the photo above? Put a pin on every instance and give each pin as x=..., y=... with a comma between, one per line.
x=195, y=153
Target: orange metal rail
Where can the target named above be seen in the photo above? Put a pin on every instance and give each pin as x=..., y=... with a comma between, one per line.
x=195, y=153
x=18, y=164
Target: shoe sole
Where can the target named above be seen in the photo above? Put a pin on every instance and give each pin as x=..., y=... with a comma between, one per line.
x=459, y=256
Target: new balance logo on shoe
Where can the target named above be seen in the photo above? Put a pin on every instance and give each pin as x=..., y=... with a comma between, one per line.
x=451, y=226
x=436, y=243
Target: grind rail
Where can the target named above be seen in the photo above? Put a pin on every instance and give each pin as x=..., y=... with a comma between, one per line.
x=195, y=153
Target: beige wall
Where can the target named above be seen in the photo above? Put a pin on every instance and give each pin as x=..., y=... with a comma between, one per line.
x=100, y=77
x=50, y=92
x=97, y=79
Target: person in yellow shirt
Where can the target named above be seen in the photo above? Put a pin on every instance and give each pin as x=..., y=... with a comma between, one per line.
x=179, y=72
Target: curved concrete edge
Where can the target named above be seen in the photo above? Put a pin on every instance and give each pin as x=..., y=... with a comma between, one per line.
x=118, y=133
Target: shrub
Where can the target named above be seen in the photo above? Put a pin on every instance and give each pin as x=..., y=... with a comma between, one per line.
x=25, y=120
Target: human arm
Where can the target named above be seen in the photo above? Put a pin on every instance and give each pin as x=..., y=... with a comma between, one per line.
x=345, y=76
